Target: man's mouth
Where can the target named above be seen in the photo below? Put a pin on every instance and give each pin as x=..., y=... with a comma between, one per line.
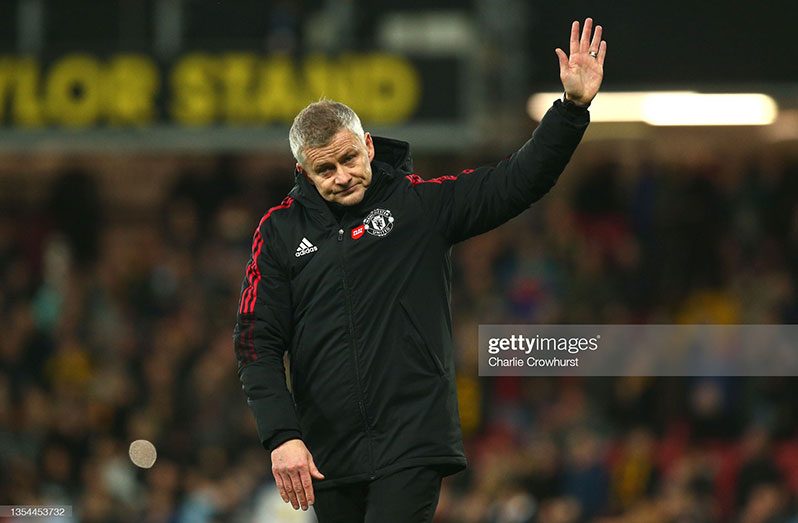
x=347, y=190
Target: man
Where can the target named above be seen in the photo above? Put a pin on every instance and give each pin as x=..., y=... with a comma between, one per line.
x=350, y=275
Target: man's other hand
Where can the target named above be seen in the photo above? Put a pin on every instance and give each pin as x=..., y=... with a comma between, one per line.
x=581, y=72
x=292, y=467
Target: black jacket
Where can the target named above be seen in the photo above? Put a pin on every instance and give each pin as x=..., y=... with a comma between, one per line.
x=362, y=307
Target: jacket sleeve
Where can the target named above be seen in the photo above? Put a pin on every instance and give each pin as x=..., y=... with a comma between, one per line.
x=262, y=334
x=481, y=199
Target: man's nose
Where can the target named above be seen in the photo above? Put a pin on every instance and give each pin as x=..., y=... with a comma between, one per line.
x=342, y=177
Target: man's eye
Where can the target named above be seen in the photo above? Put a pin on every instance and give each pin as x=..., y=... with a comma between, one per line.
x=350, y=159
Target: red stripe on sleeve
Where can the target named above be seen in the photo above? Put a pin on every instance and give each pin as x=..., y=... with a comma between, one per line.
x=250, y=295
x=253, y=273
x=415, y=179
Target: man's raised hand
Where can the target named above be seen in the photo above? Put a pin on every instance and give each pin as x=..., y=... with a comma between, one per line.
x=581, y=72
x=293, y=467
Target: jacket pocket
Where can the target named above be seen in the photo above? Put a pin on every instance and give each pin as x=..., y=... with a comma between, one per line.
x=419, y=340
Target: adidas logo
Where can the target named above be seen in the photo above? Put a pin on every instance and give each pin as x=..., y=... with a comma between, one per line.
x=305, y=247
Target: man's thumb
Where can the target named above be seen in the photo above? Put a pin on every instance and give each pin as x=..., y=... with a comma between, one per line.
x=562, y=57
x=313, y=470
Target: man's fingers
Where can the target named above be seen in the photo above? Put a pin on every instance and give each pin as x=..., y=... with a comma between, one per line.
x=594, y=44
x=291, y=490
x=562, y=58
x=584, y=43
x=280, y=486
x=307, y=486
x=602, y=52
x=299, y=490
x=574, y=37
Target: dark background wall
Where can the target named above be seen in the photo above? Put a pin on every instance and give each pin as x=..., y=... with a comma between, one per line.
x=680, y=43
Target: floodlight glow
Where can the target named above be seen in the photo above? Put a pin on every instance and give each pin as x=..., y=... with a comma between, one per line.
x=670, y=108
x=709, y=109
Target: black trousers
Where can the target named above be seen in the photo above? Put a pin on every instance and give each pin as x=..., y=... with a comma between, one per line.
x=406, y=496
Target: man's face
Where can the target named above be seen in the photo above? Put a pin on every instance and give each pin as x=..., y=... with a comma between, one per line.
x=340, y=170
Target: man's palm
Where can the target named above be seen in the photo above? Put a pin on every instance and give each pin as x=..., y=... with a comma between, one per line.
x=581, y=73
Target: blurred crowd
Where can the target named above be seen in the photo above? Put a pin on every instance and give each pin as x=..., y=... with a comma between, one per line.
x=119, y=327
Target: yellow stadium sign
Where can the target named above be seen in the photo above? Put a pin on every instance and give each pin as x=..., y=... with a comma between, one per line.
x=201, y=89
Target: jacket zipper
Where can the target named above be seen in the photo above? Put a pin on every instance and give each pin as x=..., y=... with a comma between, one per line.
x=353, y=345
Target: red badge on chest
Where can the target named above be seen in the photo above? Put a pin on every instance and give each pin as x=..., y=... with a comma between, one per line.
x=357, y=232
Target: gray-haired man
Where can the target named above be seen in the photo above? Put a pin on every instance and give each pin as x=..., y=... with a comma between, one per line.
x=350, y=275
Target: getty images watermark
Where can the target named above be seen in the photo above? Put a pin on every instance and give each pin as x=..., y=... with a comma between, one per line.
x=638, y=350
x=525, y=346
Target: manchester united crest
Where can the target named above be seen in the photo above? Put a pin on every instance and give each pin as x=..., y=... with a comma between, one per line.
x=379, y=222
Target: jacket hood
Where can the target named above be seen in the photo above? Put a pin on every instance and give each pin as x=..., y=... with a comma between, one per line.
x=395, y=153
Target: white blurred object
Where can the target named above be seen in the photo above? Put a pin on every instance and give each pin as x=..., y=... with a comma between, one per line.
x=142, y=453
x=426, y=32
x=671, y=108
x=57, y=262
x=120, y=480
x=270, y=508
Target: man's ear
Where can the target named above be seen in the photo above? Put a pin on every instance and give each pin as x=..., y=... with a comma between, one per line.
x=299, y=168
x=370, y=146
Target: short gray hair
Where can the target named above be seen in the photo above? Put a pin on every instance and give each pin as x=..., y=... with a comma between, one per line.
x=316, y=124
